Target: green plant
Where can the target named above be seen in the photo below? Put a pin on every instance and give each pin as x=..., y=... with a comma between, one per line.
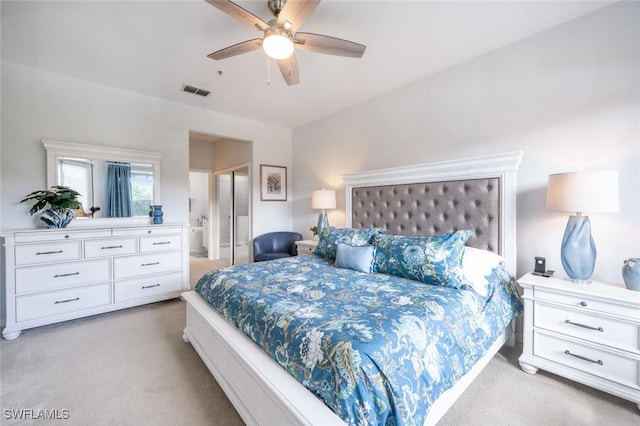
x=60, y=197
x=314, y=229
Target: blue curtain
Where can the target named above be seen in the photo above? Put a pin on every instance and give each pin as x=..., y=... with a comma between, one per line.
x=119, y=198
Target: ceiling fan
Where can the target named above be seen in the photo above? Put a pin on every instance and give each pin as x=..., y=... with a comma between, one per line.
x=280, y=38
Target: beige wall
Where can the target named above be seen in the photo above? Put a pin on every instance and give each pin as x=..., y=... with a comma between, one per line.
x=568, y=97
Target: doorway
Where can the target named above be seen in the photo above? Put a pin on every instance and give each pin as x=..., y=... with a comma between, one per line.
x=232, y=215
x=199, y=213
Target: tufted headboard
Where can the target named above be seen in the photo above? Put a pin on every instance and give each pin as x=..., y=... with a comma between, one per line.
x=434, y=198
x=433, y=208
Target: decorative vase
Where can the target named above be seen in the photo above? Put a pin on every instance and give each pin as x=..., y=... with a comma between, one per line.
x=150, y=211
x=157, y=215
x=631, y=273
x=55, y=217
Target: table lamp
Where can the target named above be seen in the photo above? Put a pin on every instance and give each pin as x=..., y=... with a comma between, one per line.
x=580, y=192
x=323, y=199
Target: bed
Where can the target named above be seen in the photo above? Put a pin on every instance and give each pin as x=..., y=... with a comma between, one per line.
x=443, y=198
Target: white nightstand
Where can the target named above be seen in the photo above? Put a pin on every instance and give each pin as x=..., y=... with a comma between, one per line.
x=306, y=247
x=589, y=333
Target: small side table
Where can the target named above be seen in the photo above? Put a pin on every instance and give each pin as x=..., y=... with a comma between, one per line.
x=589, y=333
x=306, y=247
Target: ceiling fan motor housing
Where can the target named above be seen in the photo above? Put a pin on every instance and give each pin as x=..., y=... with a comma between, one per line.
x=275, y=6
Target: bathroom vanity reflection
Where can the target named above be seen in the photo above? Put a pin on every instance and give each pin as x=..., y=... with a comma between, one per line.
x=122, y=182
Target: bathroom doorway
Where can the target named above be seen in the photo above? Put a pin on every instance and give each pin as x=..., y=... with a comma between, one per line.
x=199, y=213
x=232, y=215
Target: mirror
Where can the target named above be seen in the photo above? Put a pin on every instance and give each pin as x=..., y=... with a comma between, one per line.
x=122, y=182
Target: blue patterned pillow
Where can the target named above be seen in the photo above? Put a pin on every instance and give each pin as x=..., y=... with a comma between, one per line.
x=433, y=260
x=358, y=258
x=331, y=236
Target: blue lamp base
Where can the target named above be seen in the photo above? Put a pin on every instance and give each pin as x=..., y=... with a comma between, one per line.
x=323, y=222
x=578, y=251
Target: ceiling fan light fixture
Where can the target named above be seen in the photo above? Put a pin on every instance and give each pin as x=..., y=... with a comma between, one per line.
x=277, y=44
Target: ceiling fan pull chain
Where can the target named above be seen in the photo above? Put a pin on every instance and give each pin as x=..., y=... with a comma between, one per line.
x=268, y=76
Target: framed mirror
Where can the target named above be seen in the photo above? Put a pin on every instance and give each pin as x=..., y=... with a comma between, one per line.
x=121, y=182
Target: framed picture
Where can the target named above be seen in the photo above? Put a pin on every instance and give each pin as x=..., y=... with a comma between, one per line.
x=273, y=183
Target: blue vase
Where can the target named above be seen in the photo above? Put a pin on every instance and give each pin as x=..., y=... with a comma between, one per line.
x=55, y=217
x=150, y=211
x=631, y=273
x=157, y=215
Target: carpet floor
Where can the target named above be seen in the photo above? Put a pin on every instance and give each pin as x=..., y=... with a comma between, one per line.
x=132, y=368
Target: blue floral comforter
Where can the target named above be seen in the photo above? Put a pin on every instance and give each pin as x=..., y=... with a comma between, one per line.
x=377, y=349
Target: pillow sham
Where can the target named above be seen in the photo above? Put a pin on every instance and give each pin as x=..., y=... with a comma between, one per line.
x=434, y=260
x=477, y=264
x=331, y=236
x=358, y=258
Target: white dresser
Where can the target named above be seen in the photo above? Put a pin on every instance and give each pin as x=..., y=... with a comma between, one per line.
x=62, y=274
x=589, y=333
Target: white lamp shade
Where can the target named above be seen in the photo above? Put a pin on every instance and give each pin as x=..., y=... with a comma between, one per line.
x=591, y=191
x=323, y=199
x=277, y=46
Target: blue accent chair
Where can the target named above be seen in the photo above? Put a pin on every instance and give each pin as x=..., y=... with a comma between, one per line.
x=275, y=245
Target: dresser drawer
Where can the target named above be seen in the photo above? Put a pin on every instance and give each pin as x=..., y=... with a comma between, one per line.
x=109, y=247
x=147, y=264
x=617, y=368
x=151, y=230
x=61, y=302
x=150, y=244
x=147, y=286
x=60, y=235
x=43, y=278
x=592, y=327
x=29, y=254
x=587, y=303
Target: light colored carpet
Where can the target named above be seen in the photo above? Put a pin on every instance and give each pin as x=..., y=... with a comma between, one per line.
x=133, y=368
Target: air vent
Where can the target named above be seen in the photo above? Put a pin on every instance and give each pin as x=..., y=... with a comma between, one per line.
x=195, y=90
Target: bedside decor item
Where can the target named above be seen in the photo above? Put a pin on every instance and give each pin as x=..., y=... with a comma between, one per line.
x=590, y=191
x=273, y=183
x=62, y=202
x=157, y=215
x=321, y=200
x=631, y=273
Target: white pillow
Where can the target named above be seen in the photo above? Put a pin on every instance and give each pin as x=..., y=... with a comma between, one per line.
x=476, y=265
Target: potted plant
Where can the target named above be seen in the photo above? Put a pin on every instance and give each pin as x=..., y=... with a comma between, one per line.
x=62, y=202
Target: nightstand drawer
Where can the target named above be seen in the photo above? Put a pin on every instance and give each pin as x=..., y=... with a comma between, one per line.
x=582, y=302
x=306, y=247
x=584, y=325
x=600, y=363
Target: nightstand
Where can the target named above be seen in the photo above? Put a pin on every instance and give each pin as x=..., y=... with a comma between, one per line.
x=589, y=333
x=306, y=247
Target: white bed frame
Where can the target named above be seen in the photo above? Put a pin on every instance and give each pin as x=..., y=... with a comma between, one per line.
x=262, y=392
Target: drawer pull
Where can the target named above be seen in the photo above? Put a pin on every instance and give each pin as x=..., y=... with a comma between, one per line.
x=584, y=358
x=161, y=242
x=150, y=286
x=577, y=324
x=67, y=301
x=66, y=275
x=48, y=252
x=150, y=264
x=110, y=247
x=583, y=304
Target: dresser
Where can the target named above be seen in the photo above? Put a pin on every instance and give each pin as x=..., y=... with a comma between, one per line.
x=54, y=275
x=589, y=333
x=306, y=247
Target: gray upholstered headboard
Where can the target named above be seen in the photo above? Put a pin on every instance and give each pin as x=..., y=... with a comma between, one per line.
x=434, y=198
x=433, y=208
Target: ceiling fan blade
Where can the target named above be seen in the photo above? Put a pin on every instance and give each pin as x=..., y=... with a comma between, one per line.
x=319, y=43
x=236, y=49
x=296, y=13
x=242, y=15
x=289, y=69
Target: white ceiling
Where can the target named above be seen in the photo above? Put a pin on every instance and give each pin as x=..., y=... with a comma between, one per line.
x=154, y=47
